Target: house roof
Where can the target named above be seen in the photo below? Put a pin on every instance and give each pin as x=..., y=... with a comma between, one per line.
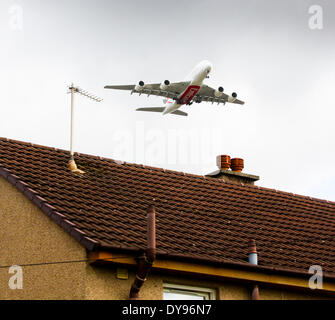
x=198, y=217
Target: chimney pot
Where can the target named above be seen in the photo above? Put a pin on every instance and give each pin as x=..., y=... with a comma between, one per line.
x=237, y=164
x=252, y=246
x=223, y=162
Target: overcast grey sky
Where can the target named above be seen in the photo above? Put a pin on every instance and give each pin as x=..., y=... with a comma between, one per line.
x=263, y=50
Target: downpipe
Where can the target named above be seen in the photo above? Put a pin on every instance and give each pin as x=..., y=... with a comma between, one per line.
x=145, y=261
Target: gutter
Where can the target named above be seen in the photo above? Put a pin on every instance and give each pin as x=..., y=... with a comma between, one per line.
x=221, y=263
x=145, y=261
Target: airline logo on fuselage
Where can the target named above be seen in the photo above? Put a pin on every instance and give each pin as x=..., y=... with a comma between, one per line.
x=189, y=94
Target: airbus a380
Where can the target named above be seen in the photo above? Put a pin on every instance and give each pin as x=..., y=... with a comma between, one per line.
x=178, y=94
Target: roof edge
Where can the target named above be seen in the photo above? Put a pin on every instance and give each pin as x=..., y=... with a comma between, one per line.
x=49, y=210
x=221, y=262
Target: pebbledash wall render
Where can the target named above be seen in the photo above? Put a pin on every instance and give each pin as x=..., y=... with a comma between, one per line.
x=33, y=240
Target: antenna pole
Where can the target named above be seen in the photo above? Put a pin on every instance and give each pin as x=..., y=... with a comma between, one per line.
x=73, y=90
x=72, y=119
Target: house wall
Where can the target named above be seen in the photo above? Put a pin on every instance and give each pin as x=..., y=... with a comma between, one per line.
x=28, y=236
x=103, y=284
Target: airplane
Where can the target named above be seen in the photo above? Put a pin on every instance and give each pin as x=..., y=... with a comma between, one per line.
x=177, y=94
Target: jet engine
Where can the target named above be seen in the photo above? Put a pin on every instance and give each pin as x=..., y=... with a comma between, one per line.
x=139, y=86
x=233, y=97
x=219, y=92
x=164, y=85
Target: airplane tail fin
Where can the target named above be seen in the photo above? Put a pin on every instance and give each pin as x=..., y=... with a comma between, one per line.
x=152, y=109
x=161, y=109
x=179, y=113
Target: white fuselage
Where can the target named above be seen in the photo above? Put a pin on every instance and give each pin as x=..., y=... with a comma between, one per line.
x=196, y=78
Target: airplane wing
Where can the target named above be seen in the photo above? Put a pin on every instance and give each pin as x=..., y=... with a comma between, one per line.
x=206, y=93
x=122, y=87
x=172, y=91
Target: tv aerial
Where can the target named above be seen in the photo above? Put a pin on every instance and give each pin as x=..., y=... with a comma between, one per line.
x=73, y=90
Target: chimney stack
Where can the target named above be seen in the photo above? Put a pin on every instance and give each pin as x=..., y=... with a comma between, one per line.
x=224, y=163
